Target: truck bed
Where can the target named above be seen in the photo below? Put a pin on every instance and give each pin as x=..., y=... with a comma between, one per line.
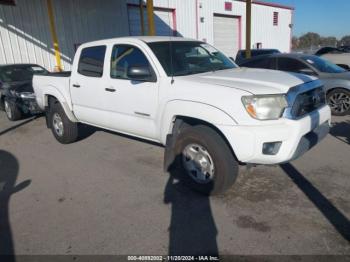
x=60, y=74
x=52, y=83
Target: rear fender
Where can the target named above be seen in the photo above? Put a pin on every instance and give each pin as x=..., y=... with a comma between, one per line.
x=66, y=105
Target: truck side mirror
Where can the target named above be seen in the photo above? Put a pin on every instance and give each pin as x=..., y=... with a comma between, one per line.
x=140, y=73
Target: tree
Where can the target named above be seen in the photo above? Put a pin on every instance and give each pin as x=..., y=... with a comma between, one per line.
x=309, y=40
x=295, y=42
x=329, y=41
x=345, y=40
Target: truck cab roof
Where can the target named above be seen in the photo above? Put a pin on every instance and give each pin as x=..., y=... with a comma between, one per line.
x=146, y=39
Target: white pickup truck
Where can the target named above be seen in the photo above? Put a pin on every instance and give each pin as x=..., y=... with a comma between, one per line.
x=210, y=115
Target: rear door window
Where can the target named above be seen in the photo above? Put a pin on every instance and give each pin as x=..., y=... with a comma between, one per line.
x=266, y=63
x=290, y=65
x=91, y=61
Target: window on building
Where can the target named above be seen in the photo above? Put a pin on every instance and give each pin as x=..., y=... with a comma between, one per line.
x=275, y=18
x=124, y=56
x=91, y=61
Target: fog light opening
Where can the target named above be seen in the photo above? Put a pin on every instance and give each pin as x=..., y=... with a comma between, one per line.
x=271, y=148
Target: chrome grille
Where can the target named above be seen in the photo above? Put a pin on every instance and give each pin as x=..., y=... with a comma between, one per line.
x=308, y=101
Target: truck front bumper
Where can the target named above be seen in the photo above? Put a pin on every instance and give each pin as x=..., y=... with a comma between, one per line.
x=28, y=105
x=292, y=138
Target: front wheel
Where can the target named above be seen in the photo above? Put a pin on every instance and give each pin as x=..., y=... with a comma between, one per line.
x=339, y=102
x=64, y=130
x=205, y=160
x=12, y=111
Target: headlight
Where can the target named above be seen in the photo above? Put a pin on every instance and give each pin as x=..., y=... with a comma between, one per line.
x=265, y=107
x=27, y=95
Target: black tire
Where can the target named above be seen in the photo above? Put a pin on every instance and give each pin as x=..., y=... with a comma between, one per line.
x=225, y=164
x=2, y=106
x=69, y=130
x=12, y=111
x=337, y=110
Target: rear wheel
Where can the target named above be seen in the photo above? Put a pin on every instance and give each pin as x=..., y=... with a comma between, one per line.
x=206, y=162
x=13, y=113
x=339, y=102
x=64, y=130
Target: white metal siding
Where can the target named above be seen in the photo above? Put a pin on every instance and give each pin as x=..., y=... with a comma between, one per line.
x=25, y=34
x=263, y=30
x=185, y=14
x=226, y=34
x=163, y=21
x=80, y=21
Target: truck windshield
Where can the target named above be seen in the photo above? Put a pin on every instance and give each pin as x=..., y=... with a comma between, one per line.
x=180, y=58
x=323, y=65
x=20, y=73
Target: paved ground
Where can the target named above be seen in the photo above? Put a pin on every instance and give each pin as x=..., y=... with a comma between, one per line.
x=107, y=194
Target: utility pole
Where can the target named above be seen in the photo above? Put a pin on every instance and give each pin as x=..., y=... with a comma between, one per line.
x=141, y=17
x=150, y=16
x=248, y=52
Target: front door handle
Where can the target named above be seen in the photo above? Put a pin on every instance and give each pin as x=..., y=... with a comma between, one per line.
x=76, y=85
x=110, y=89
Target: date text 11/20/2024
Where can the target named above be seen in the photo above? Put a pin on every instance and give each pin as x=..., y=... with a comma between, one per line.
x=173, y=258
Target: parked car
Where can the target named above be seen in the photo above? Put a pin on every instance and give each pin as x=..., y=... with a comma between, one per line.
x=336, y=80
x=340, y=59
x=240, y=57
x=16, y=91
x=328, y=50
x=345, y=48
x=339, y=56
x=210, y=114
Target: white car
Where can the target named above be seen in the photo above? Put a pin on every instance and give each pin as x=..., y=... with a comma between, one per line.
x=210, y=114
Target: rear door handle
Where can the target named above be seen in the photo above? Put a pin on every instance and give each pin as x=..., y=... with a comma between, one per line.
x=76, y=85
x=110, y=89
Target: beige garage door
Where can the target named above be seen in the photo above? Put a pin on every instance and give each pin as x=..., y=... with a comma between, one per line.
x=226, y=34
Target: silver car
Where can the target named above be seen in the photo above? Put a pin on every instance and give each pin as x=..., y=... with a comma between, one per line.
x=336, y=79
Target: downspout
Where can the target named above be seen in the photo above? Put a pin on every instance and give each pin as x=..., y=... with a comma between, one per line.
x=291, y=31
x=197, y=29
x=150, y=16
x=141, y=17
x=50, y=12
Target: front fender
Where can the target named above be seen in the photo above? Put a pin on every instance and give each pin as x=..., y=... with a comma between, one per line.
x=193, y=109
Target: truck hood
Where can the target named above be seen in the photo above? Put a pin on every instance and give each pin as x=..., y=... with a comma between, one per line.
x=254, y=81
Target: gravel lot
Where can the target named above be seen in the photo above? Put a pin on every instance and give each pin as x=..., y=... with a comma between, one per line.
x=108, y=194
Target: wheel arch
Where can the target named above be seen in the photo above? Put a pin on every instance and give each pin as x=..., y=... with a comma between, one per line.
x=191, y=121
x=191, y=110
x=335, y=88
x=54, y=98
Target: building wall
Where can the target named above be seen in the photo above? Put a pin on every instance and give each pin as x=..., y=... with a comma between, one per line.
x=263, y=29
x=25, y=34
